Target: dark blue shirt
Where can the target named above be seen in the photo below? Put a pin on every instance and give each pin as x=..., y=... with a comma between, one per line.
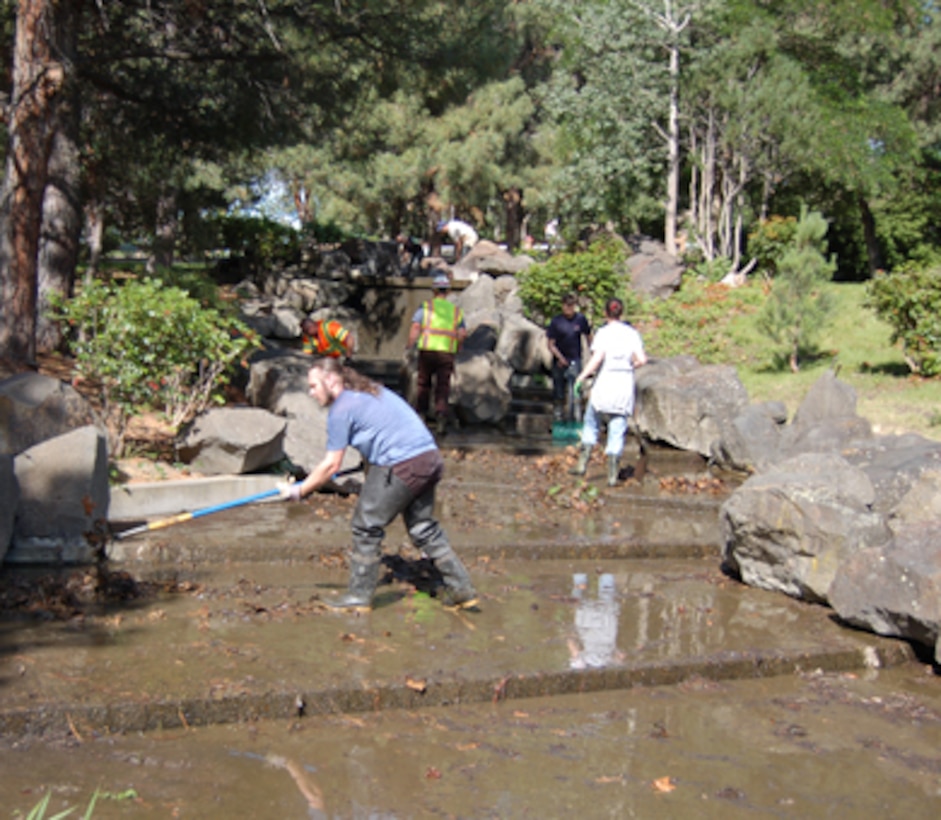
x=567, y=334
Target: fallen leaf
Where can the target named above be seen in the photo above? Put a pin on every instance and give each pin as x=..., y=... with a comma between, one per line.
x=432, y=773
x=664, y=784
x=418, y=685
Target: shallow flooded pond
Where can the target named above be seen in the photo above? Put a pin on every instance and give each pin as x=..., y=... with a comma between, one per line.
x=612, y=671
x=815, y=745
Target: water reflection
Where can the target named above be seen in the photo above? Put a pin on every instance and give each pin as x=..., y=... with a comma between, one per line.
x=594, y=644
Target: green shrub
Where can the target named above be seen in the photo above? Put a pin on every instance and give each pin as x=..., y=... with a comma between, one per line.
x=909, y=300
x=594, y=275
x=149, y=346
x=798, y=306
x=770, y=241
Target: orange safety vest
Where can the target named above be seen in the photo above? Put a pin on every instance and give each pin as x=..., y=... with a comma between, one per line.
x=440, y=321
x=329, y=340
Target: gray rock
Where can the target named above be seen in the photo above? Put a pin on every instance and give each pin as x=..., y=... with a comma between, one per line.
x=894, y=464
x=895, y=589
x=63, y=507
x=687, y=405
x=232, y=440
x=481, y=387
x=523, y=345
x=751, y=443
x=791, y=528
x=9, y=500
x=34, y=408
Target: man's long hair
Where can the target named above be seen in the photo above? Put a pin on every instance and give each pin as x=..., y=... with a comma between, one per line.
x=352, y=380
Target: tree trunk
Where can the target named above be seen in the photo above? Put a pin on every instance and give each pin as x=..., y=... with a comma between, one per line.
x=513, y=201
x=673, y=153
x=61, y=209
x=37, y=78
x=95, y=235
x=165, y=231
x=873, y=254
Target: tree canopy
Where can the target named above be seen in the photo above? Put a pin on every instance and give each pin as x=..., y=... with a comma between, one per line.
x=697, y=117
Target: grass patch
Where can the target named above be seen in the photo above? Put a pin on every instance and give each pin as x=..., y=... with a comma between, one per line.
x=718, y=326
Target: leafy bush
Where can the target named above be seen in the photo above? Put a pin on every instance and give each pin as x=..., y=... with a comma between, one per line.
x=770, y=241
x=594, y=275
x=151, y=347
x=714, y=270
x=798, y=307
x=909, y=300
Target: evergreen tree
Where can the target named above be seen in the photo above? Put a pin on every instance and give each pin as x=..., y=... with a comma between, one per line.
x=797, y=307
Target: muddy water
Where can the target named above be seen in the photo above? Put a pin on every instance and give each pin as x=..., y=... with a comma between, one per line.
x=840, y=746
x=743, y=724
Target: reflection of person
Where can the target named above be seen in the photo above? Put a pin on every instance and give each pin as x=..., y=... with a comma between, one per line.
x=438, y=328
x=616, y=350
x=564, y=335
x=596, y=625
x=460, y=233
x=322, y=337
x=405, y=466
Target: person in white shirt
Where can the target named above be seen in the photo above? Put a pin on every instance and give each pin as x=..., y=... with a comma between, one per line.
x=616, y=350
x=461, y=234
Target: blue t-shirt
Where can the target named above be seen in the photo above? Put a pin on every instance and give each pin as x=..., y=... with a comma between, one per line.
x=567, y=334
x=384, y=428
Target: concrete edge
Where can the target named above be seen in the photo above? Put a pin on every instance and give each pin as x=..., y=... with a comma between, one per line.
x=153, y=499
x=187, y=712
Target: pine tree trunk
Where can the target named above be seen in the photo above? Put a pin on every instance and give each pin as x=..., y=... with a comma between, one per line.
x=61, y=209
x=37, y=79
x=165, y=232
x=513, y=201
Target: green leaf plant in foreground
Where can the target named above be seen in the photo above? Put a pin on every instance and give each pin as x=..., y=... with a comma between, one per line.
x=151, y=347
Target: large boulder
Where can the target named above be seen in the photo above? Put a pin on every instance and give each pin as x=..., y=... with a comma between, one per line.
x=904, y=472
x=481, y=389
x=522, y=344
x=686, y=404
x=488, y=257
x=63, y=507
x=825, y=422
x=9, y=500
x=791, y=528
x=232, y=440
x=653, y=271
x=895, y=589
x=278, y=383
x=752, y=441
x=34, y=408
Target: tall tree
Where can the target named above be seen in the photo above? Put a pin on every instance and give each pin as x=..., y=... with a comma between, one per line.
x=39, y=75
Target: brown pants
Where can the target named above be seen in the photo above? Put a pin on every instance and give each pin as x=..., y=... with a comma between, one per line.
x=438, y=365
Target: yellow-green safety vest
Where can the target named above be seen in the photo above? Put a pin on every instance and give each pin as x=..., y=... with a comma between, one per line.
x=440, y=321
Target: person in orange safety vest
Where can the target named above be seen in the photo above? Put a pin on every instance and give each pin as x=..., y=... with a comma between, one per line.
x=326, y=337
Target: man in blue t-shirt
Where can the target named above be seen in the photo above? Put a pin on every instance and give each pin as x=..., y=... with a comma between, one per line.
x=405, y=466
x=565, y=334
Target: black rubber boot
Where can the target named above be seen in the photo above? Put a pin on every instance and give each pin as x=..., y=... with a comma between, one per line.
x=358, y=598
x=613, y=469
x=582, y=467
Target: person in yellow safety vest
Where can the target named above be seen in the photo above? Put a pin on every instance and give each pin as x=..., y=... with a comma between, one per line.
x=438, y=328
x=323, y=337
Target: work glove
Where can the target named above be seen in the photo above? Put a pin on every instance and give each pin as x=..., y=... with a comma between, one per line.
x=578, y=388
x=289, y=490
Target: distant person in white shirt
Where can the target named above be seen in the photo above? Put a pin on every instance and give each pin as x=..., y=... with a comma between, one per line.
x=616, y=350
x=460, y=233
